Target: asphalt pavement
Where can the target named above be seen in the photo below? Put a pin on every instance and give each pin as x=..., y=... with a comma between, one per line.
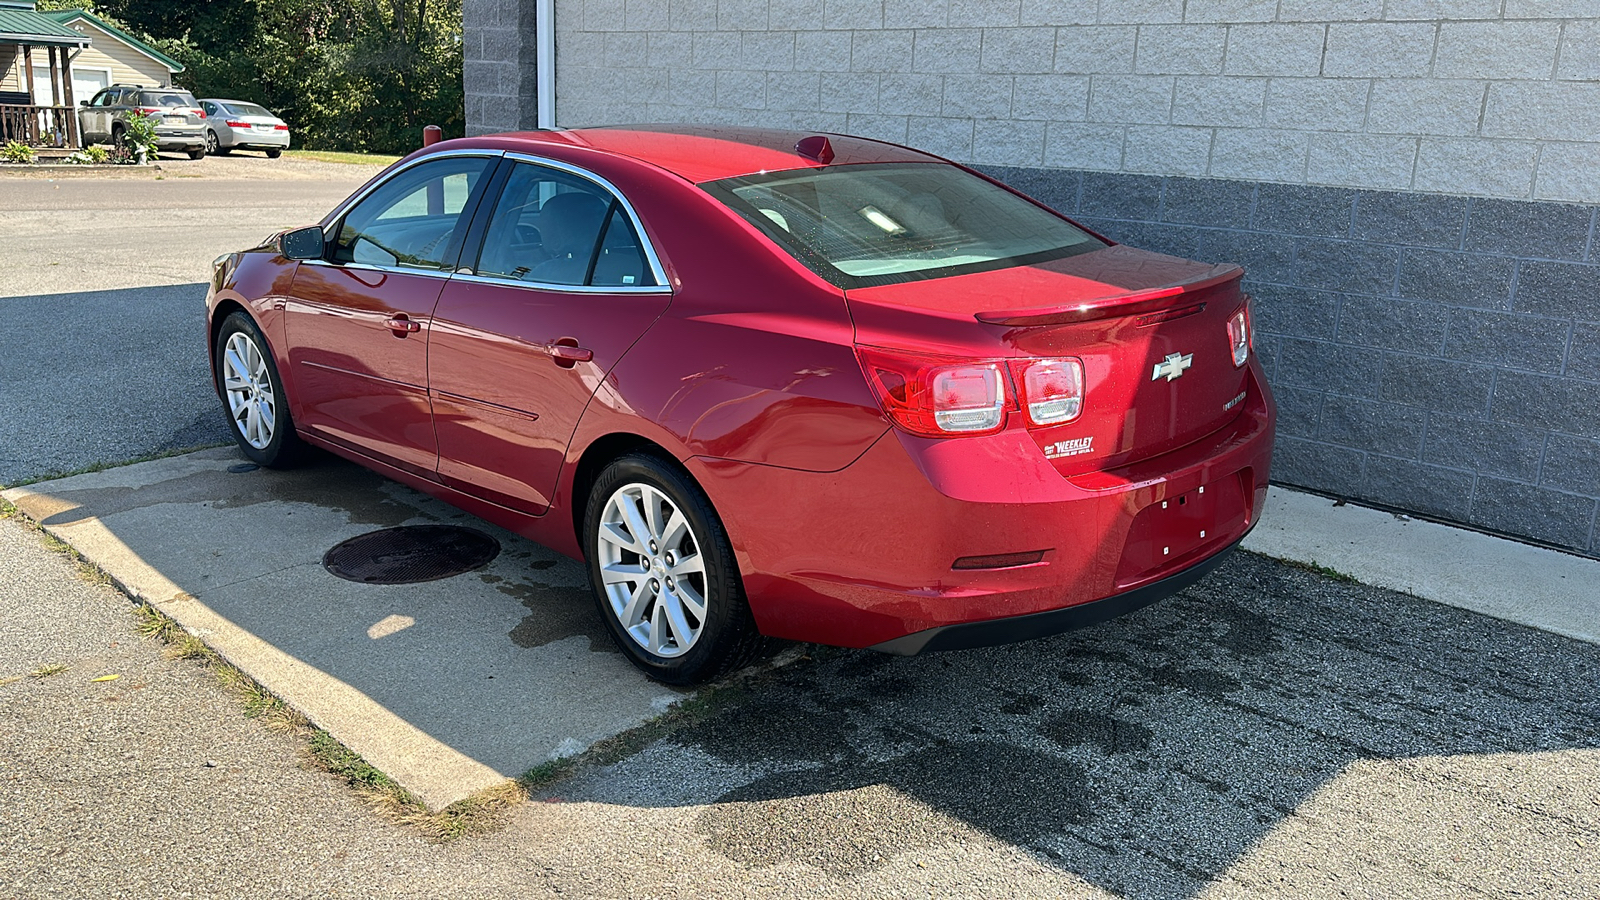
x=102, y=301
x=1271, y=732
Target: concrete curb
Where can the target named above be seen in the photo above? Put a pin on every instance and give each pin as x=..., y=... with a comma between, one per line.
x=1546, y=589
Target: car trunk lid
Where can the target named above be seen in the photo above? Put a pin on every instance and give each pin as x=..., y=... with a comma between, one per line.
x=1151, y=332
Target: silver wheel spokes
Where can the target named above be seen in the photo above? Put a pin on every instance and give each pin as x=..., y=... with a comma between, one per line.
x=248, y=387
x=652, y=571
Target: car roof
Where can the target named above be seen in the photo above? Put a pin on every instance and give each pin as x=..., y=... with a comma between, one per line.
x=701, y=153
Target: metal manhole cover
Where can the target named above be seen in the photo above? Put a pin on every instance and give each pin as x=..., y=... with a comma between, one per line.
x=411, y=554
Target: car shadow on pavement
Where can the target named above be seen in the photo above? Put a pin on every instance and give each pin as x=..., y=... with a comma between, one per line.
x=1146, y=755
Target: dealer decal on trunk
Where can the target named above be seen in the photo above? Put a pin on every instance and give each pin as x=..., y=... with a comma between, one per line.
x=1074, y=447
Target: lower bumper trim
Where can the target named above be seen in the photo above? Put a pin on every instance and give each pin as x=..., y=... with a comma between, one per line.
x=991, y=632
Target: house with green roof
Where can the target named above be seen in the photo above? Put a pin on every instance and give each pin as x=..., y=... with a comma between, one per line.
x=50, y=62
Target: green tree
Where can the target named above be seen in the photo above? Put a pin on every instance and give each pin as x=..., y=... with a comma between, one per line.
x=345, y=74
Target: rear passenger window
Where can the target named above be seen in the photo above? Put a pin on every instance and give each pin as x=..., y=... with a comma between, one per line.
x=552, y=227
x=415, y=219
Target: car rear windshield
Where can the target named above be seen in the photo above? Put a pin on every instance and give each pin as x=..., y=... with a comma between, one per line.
x=867, y=225
x=167, y=99
x=249, y=109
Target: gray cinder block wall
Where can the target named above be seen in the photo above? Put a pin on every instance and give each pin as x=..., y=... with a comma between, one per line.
x=1412, y=186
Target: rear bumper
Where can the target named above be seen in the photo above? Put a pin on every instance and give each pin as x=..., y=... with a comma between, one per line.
x=865, y=557
x=259, y=141
x=990, y=632
x=180, y=138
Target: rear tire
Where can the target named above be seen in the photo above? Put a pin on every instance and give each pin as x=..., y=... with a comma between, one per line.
x=663, y=573
x=197, y=153
x=274, y=154
x=214, y=146
x=252, y=394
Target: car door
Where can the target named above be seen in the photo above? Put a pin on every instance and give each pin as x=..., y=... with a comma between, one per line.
x=357, y=322
x=563, y=285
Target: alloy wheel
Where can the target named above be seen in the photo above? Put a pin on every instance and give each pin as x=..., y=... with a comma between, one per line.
x=248, y=385
x=652, y=570
x=211, y=142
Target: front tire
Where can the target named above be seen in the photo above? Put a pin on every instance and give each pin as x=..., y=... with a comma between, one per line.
x=663, y=573
x=253, y=395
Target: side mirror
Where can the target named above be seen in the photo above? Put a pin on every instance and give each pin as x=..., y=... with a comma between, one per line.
x=302, y=243
x=83, y=103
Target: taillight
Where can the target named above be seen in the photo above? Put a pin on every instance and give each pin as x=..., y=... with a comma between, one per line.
x=148, y=110
x=280, y=128
x=1239, y=336
x=232, y=124
x=938, y=396
x=199, y=112
x=1051, y=389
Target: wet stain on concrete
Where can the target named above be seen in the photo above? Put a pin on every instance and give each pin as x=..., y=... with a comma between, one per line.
x=1109, y=733
x=1205, y=682
x=554, y=614
x=1021, y=704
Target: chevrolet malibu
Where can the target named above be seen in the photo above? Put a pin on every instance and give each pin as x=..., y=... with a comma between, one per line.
x=811, y=387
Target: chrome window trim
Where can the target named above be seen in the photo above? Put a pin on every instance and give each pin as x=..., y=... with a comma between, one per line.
x=501, y=281
x=387, y=270
x=341, y=211
x=657, y=270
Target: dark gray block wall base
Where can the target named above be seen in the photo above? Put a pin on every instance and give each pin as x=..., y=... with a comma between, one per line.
x=1431, y=353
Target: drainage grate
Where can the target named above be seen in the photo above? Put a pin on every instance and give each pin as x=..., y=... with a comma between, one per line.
x=411, y=554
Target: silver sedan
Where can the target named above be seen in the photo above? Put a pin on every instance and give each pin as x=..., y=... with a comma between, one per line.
x=236, y=125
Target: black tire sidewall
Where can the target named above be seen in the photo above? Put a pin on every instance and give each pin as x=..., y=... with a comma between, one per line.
x=280, y=450
x=728, y=622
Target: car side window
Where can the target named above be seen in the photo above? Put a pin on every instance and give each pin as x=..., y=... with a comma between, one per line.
x=416, y=219
x=106, y=98
x=552, y=227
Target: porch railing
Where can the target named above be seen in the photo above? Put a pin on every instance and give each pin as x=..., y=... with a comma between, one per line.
x=37, y=126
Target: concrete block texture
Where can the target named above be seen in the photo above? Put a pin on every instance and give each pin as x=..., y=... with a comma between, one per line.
x=1456, y=97
x=1431, y=353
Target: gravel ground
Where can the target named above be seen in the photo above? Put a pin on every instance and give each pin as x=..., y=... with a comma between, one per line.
x=1270, y=733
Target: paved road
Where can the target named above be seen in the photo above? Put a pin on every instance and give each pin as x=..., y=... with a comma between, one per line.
x=1269, y=733
x=102, y=284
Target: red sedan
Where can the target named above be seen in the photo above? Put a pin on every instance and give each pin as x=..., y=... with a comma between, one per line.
x=812, y=387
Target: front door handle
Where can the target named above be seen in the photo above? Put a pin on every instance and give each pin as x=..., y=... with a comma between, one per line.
x=567, y=353
x=402, y=326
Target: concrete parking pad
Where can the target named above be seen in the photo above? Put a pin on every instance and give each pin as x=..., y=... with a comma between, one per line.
x=449, y=687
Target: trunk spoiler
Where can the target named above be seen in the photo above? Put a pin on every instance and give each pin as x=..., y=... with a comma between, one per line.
x=1112, y=306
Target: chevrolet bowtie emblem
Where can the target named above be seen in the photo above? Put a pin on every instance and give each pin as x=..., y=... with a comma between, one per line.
x=1172, y=366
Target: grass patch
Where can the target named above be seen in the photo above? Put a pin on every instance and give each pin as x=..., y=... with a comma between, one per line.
x=102, y=466
x=1320, y=569
x=46, y=671
x=11, y=680
x=339, y=156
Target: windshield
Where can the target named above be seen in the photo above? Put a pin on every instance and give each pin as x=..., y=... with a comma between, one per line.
x=167, y=99
x=249, y=109
x=866, y=225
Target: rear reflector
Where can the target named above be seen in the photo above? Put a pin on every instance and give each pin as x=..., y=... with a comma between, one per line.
x=999, y=561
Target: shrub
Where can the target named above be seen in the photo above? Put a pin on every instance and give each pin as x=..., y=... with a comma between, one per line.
x=16, y=152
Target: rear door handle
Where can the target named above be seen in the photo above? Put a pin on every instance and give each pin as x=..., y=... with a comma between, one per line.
x=402, y=326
